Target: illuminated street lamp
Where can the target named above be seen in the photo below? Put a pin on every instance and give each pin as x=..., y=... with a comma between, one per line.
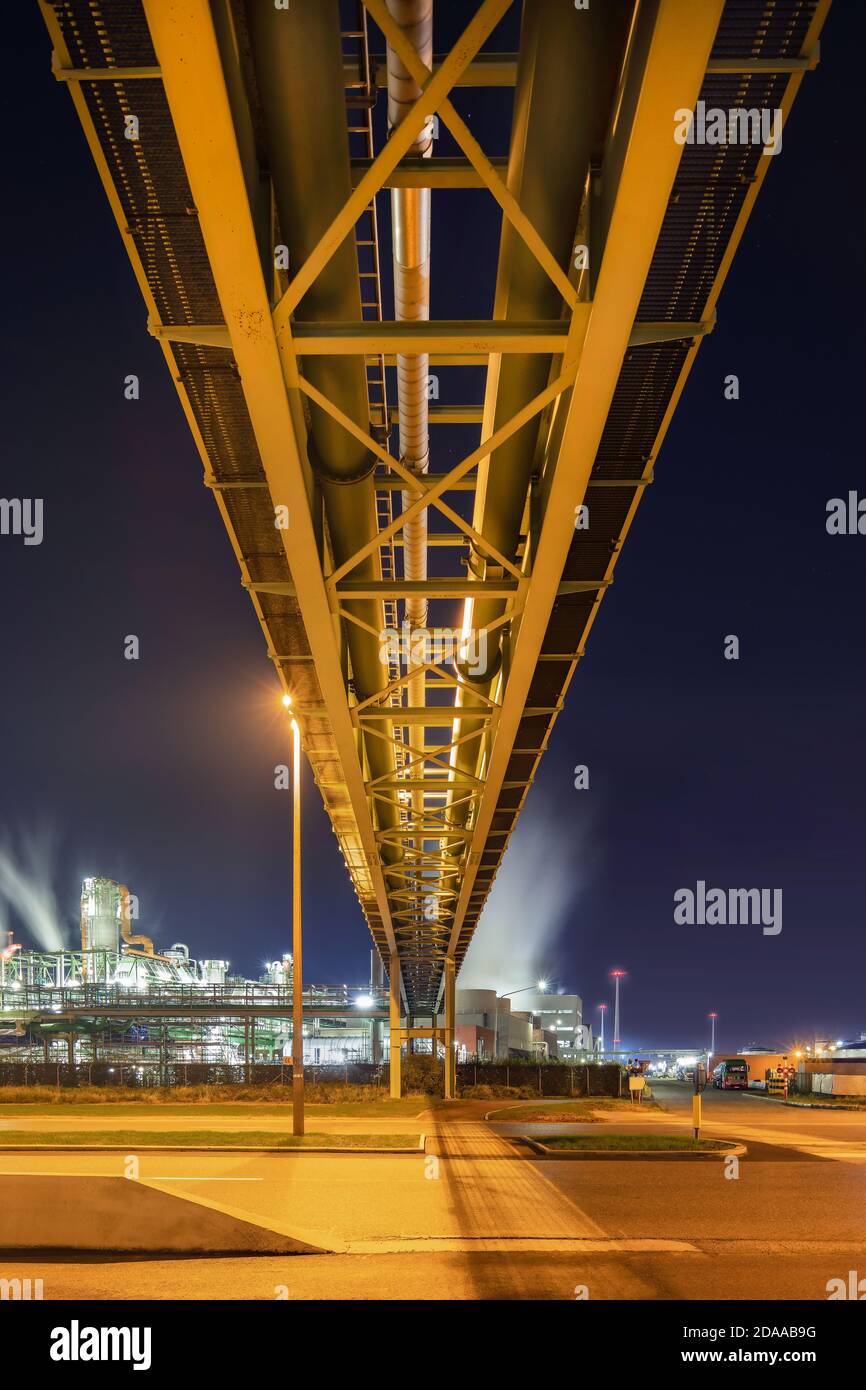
x=712, y=1018
x=297, y=972
x=602, y=1008
x=541, y=986
x=616, y=976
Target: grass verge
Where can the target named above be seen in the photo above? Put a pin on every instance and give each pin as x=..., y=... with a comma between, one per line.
x=659, y=1143
x=408, y=1106
x=133, y=1139
x=554, y=1112
x=317, y=1093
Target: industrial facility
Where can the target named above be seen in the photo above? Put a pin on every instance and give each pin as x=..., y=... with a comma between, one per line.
x=121, y=1001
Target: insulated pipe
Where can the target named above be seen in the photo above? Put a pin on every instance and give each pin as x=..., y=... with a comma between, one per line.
x=410, y=219
x=126, y=923
x=299, y=75
x=566, y=81
x=410, y=216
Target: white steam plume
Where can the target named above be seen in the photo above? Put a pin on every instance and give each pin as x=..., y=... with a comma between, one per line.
x=543, y=873
x=27, y=889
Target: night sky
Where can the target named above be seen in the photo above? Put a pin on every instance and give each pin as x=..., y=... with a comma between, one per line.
x=744, y=774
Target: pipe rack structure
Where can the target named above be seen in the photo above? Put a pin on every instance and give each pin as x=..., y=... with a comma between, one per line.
x=242, y=146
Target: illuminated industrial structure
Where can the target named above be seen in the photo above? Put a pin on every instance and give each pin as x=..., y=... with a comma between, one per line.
x=242, y=149
x=119, y=1000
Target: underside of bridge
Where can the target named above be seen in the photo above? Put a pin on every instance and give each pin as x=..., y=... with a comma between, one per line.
x=271, y=168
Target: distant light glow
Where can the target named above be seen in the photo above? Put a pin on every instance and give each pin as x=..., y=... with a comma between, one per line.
x=363, y=1001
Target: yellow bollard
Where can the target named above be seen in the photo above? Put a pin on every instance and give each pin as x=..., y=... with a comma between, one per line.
x=696, y=1113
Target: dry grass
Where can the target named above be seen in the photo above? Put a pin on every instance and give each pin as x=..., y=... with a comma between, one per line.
x=315, y=1094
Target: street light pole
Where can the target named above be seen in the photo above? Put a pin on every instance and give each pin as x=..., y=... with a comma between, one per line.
x=713, y=1018
x=540, y=986
x=617, y=976
x=602, y=1008
x=297, y=942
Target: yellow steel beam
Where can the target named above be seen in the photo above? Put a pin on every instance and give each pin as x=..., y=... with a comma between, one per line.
x=402, y=680
x=746, y=66
x=445, y=415
x=63, y=73
x=447, y=359
x=394, y=1020
x=458, y=342
x=186, y=47
x=406, y=714
x=796, y=67
x=429, y=336
x=199, y=334
x=439, y=540
x=672, y=76
x=388, y=483
x=412, y=482
x=486, y=70
x=446, y=481
x=413, y=172
x=500, y=69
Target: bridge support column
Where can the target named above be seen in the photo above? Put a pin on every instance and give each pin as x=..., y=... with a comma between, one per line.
x=394, y=1001
x=449, y=1039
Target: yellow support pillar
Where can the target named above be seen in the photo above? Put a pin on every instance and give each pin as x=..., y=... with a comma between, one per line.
x=450, y=1054
x=394, y=999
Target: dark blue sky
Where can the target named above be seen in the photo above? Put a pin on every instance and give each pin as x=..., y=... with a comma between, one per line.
x=745, y=774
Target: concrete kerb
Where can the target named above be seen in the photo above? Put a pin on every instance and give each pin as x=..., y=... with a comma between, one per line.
x=733, y=1149
x=410, y=1152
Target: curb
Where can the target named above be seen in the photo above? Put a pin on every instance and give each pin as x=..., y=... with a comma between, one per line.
x=526, y=1104
x=199, y=1149
x=806, y=1105
x=734, y=1149
x=846, y=1109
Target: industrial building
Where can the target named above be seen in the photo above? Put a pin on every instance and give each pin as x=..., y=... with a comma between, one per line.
x=119, y=999
x=551, y=1026
x=122, y=1001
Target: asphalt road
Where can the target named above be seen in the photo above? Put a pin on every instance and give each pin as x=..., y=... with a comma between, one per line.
x=486, y=1220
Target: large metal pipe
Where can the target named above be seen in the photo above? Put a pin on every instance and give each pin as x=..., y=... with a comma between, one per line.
x=410, y=216
x=410, y=220
x=299, y=75
x=566, y=80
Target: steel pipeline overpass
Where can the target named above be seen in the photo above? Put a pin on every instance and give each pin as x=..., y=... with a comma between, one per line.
x=262, y=161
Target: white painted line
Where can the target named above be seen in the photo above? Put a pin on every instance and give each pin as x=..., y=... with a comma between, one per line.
x=575, y=1245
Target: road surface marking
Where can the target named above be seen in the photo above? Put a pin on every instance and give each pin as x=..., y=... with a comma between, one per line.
x=841, y=1150
x=575, y=1245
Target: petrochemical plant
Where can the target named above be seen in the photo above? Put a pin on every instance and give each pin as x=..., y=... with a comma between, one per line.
x=120, y=1000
